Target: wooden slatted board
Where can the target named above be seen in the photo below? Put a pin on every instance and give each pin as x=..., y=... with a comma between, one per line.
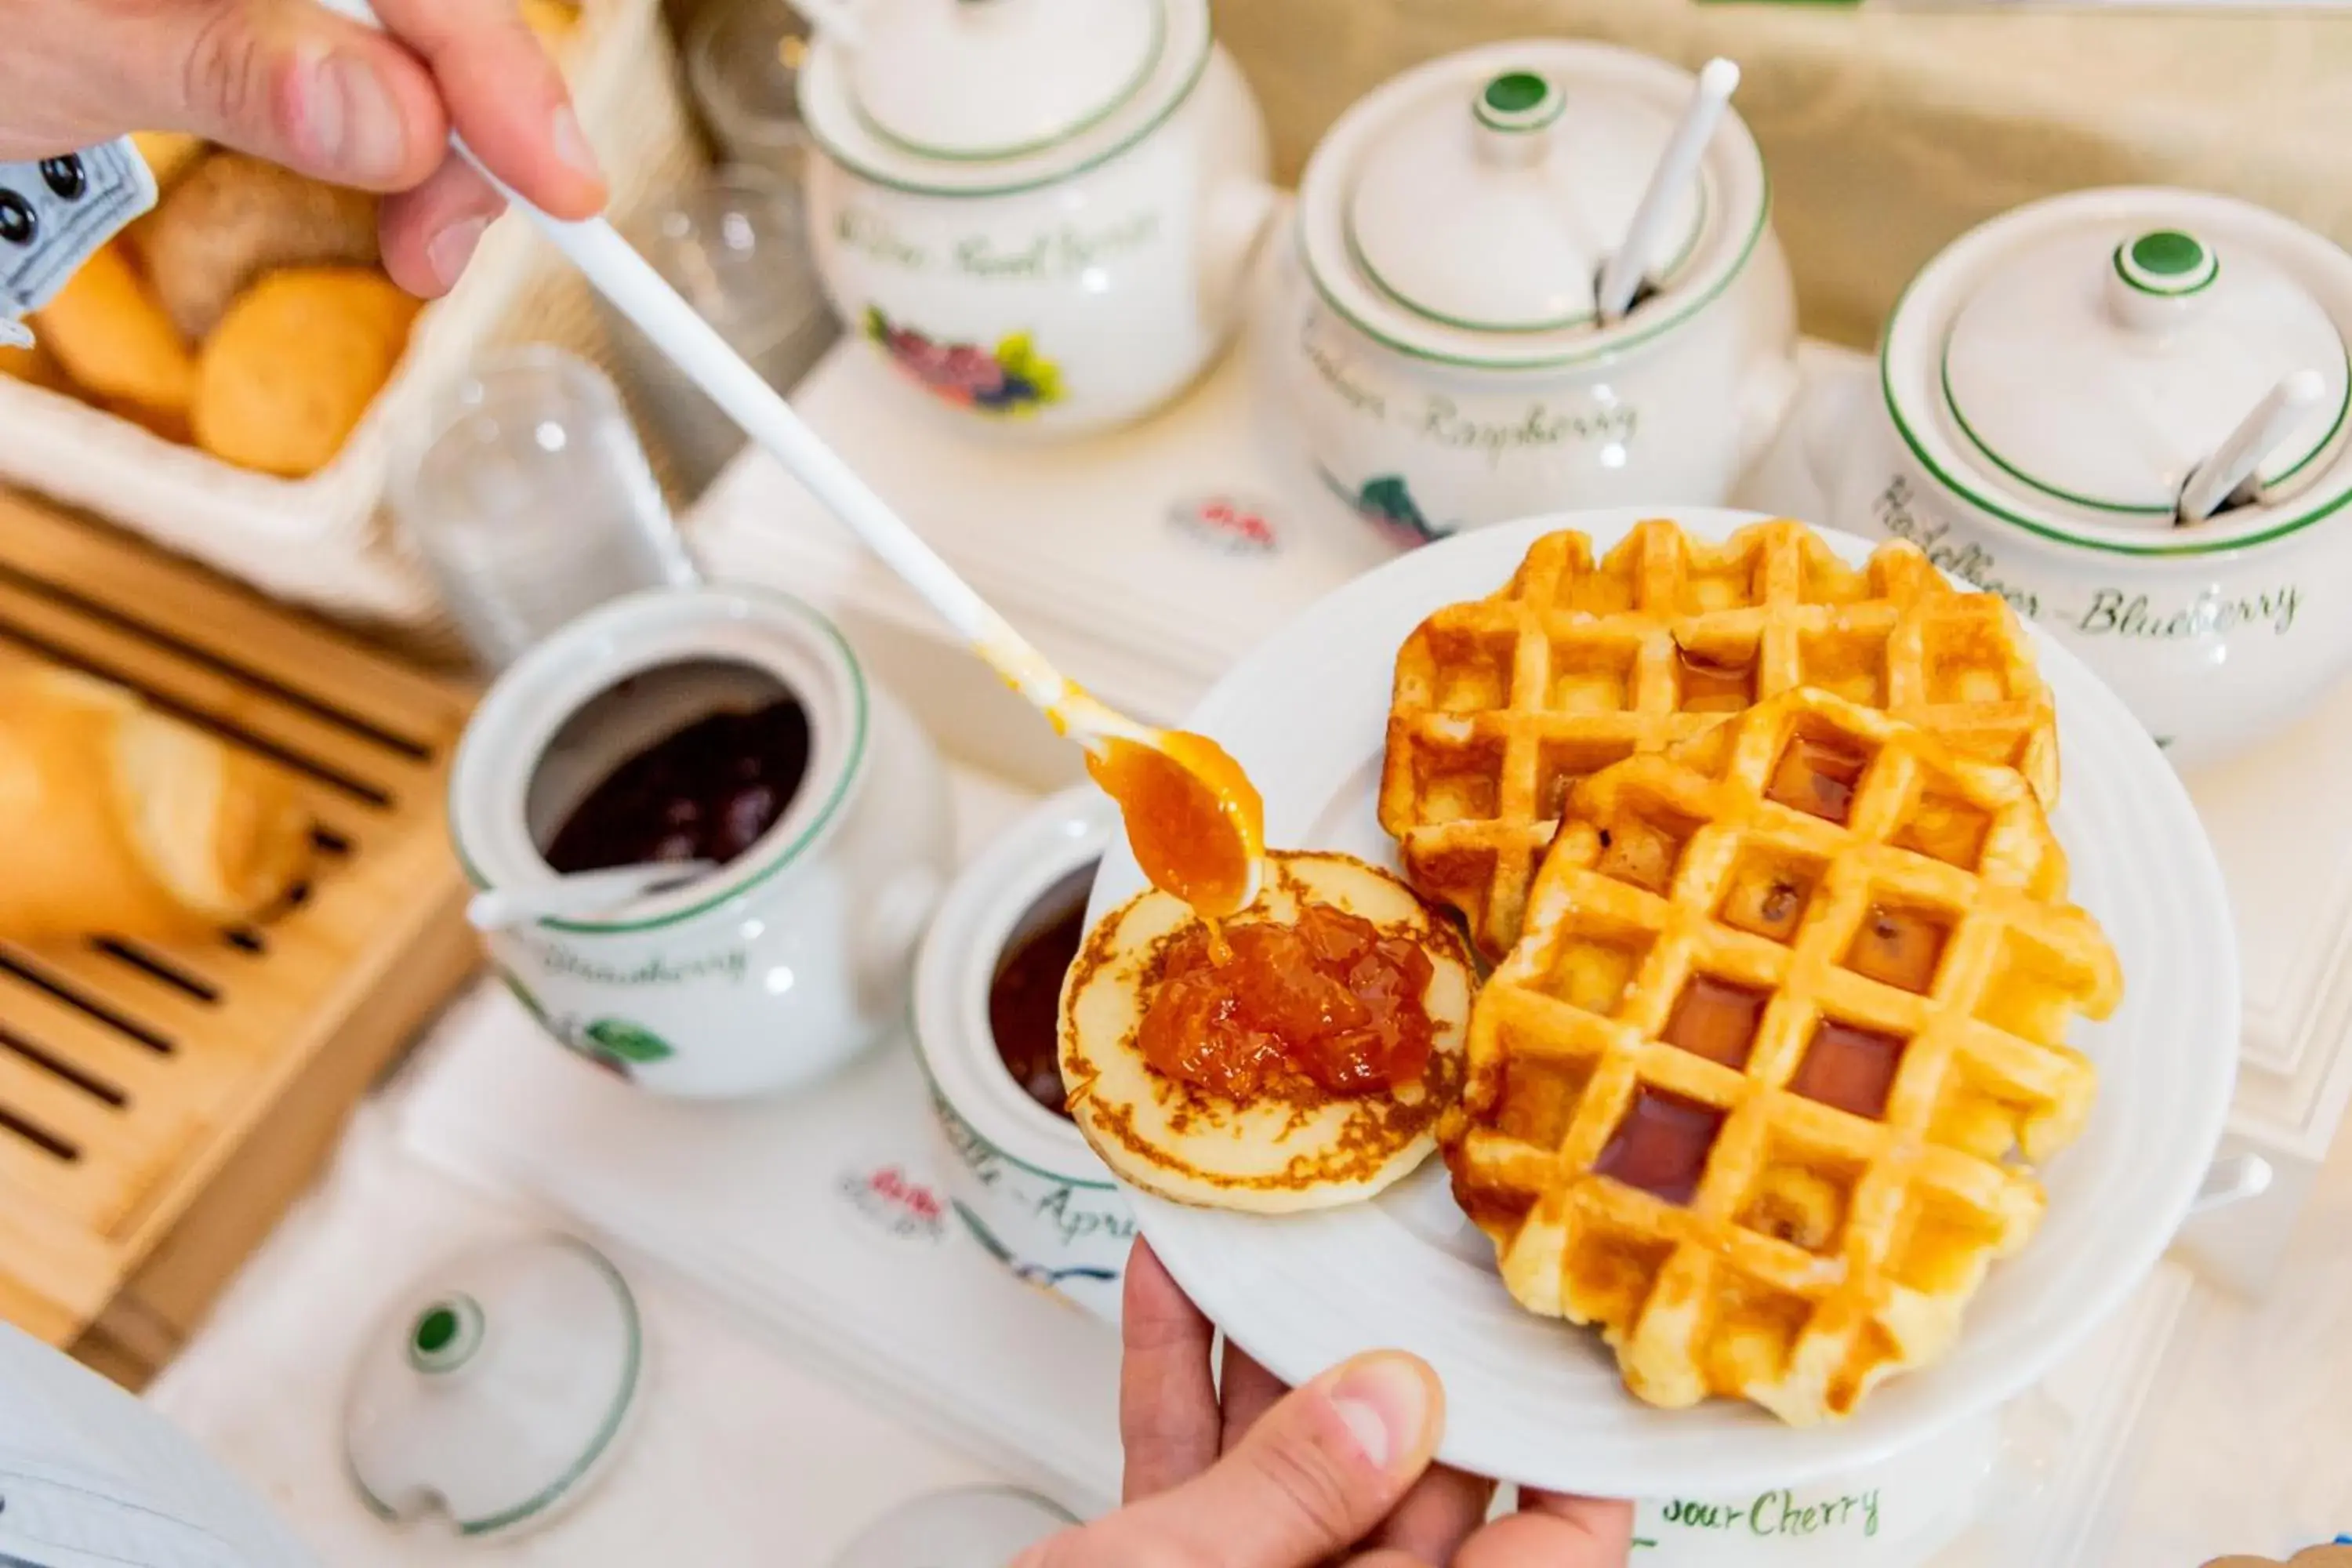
x=159, y=1106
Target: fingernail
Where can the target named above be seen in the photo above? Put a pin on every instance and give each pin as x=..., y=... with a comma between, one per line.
x=571, y=144
x=448, y=252
x=1387, y=1399
x=352, y=121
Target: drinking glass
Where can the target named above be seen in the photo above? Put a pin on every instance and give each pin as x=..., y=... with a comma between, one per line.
x=744, y=65
x=735, y=245
x=531, y=501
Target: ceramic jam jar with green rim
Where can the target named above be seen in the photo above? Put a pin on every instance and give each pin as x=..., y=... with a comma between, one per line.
x=1438, y=329
x=1022, y=1179
x=1897, y=1513
x=795, y=954
x=1039, y=212
x=2048, y=383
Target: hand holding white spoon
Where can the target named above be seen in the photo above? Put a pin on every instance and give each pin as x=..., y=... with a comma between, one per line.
x=1196, y=824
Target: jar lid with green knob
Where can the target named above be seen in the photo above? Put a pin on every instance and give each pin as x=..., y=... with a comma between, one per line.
x=1463, y=212
x=2068, y=365
x=498, y=1391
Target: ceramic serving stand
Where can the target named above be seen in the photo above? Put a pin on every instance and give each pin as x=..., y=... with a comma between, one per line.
x=1039, y=212
x=2048, y=384
x=1437, y=324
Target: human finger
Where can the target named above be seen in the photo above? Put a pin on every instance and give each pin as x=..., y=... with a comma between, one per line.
x=429, y=234
x=1442, y=1511
x=283, y=79
x=505, y=97
x=1608, y=1519
x=1247, y=1392
x=1313, y=1476
x=1552, y=1531
x=1168, y=1415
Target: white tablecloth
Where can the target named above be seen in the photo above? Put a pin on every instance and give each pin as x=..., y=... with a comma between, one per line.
x=744, y=1455
x=753, y=1455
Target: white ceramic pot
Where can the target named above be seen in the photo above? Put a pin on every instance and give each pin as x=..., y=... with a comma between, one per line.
x=1041, y=211
x=1438, y=328
x=788, y=961
x=1898, y=1513
x=1022, y=1178
x=2048, y=383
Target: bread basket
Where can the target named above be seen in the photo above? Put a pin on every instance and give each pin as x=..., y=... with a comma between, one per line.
x=326, y=541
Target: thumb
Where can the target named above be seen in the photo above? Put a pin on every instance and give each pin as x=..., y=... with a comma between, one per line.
x=288, y=81
x=1315, y=1474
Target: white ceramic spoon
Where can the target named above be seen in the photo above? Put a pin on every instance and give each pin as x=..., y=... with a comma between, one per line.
x=1178, y=792
x=2220, y=478
x=581, y=893
x=1621, y=275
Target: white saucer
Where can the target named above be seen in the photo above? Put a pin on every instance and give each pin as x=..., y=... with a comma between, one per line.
x=1538, y=1401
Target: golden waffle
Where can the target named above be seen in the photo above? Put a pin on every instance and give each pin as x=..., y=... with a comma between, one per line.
x=1503, y=703
x=1755, y=1090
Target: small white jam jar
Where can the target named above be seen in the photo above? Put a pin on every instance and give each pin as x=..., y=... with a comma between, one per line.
x=2050, y=381
x=786, y=961
x=1020, y=1177
x=1438, y=326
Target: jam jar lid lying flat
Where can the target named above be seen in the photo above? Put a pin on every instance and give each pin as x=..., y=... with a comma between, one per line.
x=981, y=97
x=1462, y=211
x=2068, y=364
x=497, y=1390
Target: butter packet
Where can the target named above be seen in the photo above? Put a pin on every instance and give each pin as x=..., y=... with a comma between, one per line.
x=56, y=213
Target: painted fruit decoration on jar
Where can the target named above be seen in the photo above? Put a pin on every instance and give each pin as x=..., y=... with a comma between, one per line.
x=1011, y=380
x=1387, y=503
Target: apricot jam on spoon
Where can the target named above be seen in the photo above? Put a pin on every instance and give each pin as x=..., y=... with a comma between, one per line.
x=1194, y=819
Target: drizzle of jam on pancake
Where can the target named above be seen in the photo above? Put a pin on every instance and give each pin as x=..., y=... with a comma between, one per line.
x=1329, y=999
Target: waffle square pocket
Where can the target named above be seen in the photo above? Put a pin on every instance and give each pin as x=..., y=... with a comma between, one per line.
x=1761, y=1087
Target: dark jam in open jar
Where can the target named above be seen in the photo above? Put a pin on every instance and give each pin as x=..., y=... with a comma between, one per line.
x=1024, y=998
x=1326, y=1004
x=707, y=791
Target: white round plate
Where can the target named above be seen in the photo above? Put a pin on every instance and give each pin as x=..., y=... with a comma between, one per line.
x=1538, y=1401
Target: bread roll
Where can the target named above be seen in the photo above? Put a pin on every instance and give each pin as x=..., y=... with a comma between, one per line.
x=125, y=822
x=169, y=153
x=33, y=365
x=295, y=364
x=553, y=21
x=233, y=218
x=114, y=339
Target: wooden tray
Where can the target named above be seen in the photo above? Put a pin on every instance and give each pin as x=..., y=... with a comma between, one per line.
x=160, y=1107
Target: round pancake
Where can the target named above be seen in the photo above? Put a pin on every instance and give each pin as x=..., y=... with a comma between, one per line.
x=1269, y=1156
